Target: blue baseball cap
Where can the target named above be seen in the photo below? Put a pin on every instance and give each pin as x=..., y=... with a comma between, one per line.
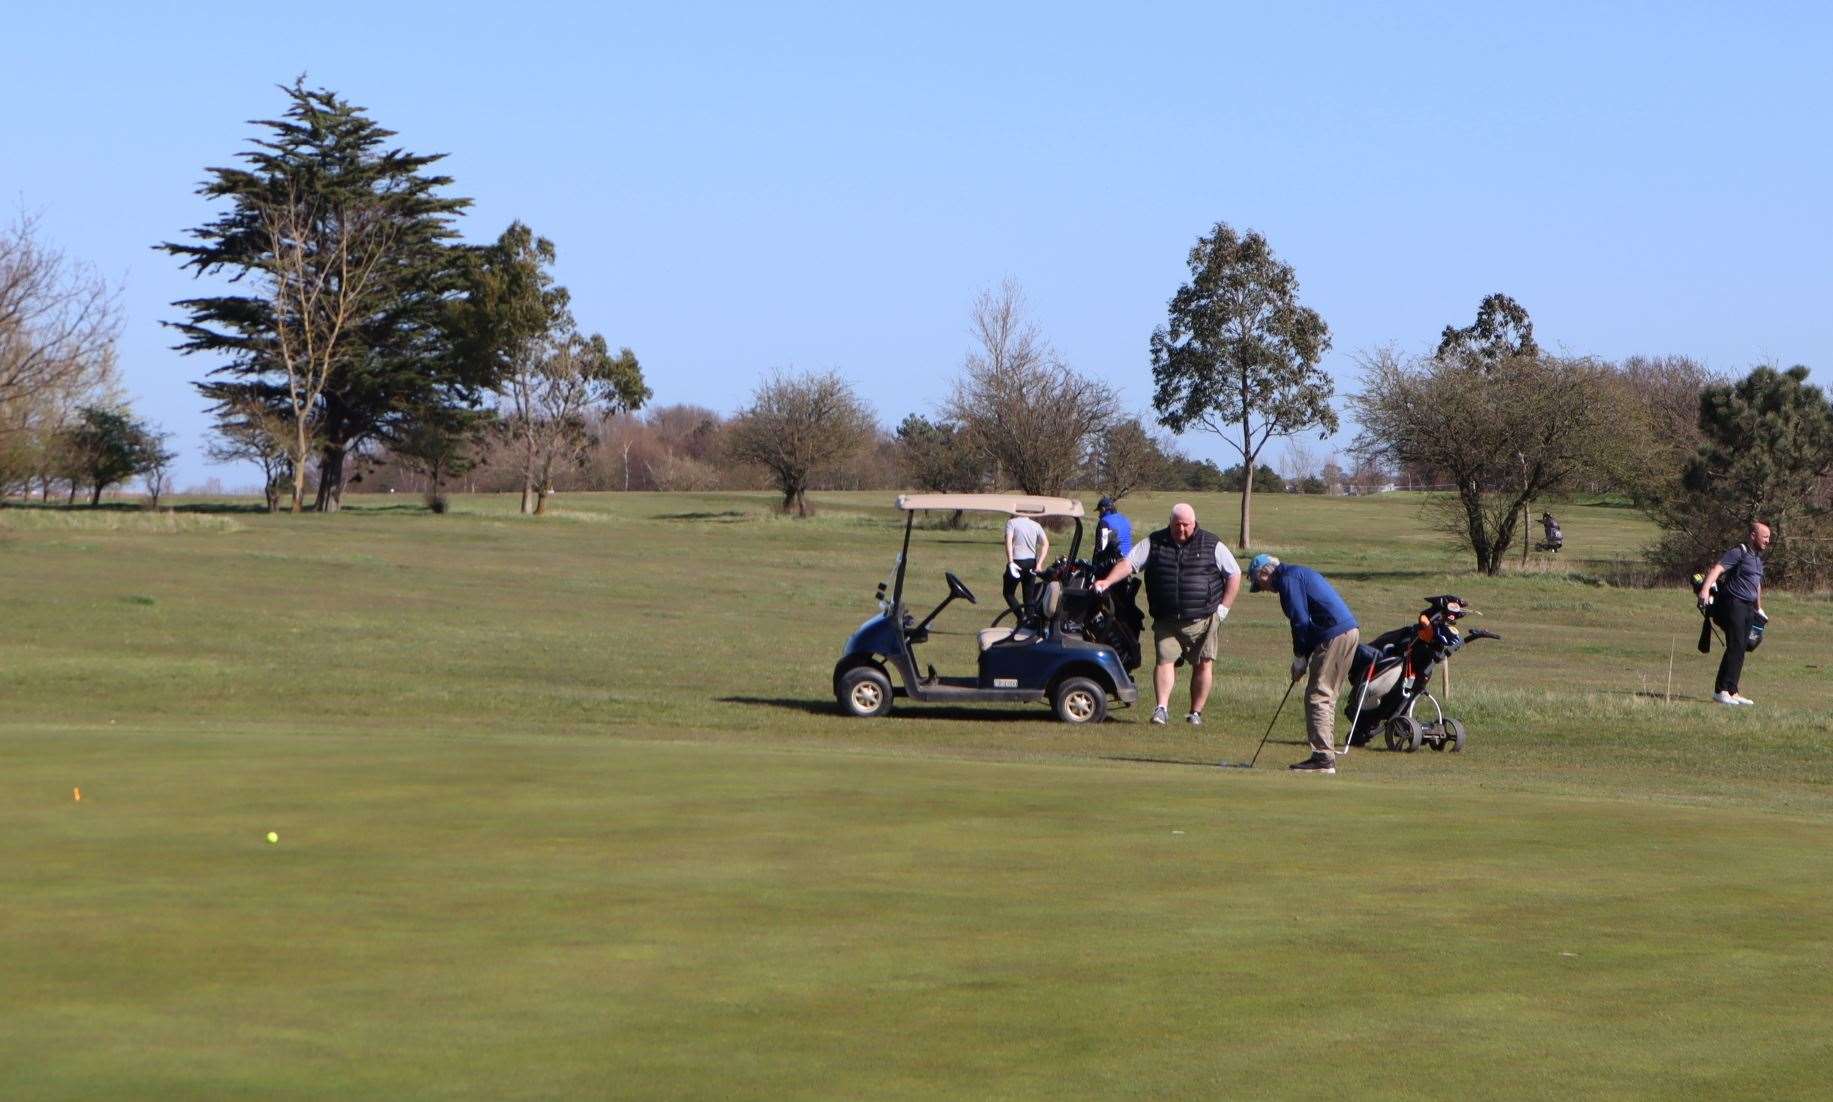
x=1255, y=566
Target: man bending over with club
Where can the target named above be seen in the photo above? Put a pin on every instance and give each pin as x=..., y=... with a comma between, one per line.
x=1738, y=604
x=1191, y=582
x=1324, y=639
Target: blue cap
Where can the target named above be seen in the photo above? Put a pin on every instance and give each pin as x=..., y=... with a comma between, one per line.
x=1255, y=566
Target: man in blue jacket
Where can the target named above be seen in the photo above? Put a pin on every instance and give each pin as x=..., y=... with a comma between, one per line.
x=1324, y=639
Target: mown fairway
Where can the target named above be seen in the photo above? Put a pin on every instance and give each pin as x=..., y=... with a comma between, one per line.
x=565, y=810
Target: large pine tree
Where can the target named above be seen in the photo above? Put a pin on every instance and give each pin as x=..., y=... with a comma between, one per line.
x=344, y=246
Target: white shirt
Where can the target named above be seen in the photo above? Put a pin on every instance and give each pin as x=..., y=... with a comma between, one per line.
x=1027, y=537
x=1225, y=559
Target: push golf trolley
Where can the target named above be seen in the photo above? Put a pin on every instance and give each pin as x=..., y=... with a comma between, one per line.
x=1390, y=676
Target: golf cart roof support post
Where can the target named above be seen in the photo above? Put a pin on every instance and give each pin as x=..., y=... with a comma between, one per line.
x=903, y=560
x=1075, y=542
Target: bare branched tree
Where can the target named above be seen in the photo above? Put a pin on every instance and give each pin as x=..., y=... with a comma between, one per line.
x=249, y=432
x=58, y=324
x=1504, y=432
x=58, y=319
x=324, y=265
x=1127, y=458
x=1033, y=418
x=799, y=425
x=1300, y=461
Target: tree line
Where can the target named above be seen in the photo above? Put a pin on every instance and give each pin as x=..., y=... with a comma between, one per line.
x=351, y=333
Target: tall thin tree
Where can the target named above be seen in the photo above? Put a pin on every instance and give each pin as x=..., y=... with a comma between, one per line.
x=1239, y=353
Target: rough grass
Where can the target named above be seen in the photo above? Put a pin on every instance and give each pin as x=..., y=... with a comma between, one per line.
x=565, y=810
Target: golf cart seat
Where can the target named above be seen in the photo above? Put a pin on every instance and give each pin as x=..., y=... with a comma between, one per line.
x=1049, y=603
x=990, y=636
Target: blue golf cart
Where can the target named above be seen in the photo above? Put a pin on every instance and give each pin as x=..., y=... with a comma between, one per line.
x=1073, y=647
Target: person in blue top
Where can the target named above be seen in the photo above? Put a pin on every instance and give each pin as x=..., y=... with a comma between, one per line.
x=1738, y=575
x=1113, y=533
x=1324, y=639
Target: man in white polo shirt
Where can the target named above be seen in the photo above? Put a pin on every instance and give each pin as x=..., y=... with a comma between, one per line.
x=1192, y=579
x=1026, y=545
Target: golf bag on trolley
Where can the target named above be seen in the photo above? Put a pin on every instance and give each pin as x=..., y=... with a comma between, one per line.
x=1391, y=674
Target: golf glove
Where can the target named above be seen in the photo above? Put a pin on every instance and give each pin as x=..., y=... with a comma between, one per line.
x=1012, y=569
x=1299, y=665
x=1221, y=613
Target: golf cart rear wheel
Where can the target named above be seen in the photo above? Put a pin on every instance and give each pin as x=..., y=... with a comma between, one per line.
x=1403, y=733
x=864, y=691
x=1454, y=735
x=1080, y=700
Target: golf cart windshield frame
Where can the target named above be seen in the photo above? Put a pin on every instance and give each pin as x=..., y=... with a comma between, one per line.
x=1010, y=504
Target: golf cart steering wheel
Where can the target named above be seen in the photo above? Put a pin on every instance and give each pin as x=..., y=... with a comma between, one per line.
x=959, y=588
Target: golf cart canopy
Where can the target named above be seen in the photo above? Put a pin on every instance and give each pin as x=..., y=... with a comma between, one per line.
x=992, y=503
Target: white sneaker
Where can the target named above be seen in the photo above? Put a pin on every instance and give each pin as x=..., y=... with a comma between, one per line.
x=1723, y=697
x=1740, y=698
x=1160, y=716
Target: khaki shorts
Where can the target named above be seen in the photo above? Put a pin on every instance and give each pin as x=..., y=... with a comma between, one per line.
x=1192, y=640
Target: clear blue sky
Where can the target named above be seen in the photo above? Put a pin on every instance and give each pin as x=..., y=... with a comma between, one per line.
x=738, y=187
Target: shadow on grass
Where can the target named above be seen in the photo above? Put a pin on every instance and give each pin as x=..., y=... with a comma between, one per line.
x=1142, y=760
x=1383, y=575
x=730, y=516
x=905, y=709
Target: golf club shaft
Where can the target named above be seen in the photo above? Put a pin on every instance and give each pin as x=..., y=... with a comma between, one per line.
x=1275, y=719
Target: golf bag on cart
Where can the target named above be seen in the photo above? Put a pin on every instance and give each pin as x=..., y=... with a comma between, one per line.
x=1393, y=672
x=1112, y=618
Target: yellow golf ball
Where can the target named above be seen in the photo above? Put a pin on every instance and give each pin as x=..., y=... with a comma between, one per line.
x=273, y=839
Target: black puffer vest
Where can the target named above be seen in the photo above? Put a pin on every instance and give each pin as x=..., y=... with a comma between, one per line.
x=1182, y=582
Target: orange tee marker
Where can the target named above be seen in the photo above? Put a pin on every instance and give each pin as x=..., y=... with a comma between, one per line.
x=78, y=793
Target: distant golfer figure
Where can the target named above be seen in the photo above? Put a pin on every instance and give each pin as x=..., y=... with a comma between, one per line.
x=1324, y=638
x=1027, y=544
x=1191, y=582
x=1555, y=539
x=1113, y=533
x=1736, y=607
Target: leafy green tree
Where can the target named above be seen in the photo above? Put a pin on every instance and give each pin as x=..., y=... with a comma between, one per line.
x=1767, y=454
x=1240, y=350
x=935, y=457
x=440, y=444
x=107, y=446
x=516, y=325
x=1502, y=331
x=1266, y=479
x=345, y=246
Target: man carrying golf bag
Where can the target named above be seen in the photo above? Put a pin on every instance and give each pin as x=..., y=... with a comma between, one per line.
x=1736, y=605
x=1324, y=638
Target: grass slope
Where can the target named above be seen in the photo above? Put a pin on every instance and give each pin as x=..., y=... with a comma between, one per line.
x=565, y=810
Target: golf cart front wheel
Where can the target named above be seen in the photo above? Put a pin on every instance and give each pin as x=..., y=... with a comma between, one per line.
x=864, y=691
x=1403, y=734
x=1080, y=700
x=1454, y=735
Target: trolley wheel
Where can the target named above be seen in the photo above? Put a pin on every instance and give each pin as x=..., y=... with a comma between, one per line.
x=1080, y=700
x=864, y=691
x=1454, y=734
x=1404, y=733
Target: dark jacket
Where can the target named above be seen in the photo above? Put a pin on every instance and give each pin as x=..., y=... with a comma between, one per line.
x=1318, y=615
x=1182, y=579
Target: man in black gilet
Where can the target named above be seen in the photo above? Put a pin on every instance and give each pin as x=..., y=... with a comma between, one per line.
x=1191, y=582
